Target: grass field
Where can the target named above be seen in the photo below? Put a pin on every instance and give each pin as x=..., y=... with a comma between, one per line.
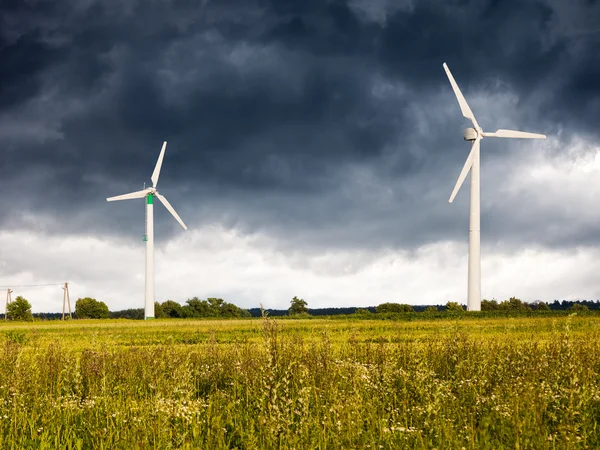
x=325, y=383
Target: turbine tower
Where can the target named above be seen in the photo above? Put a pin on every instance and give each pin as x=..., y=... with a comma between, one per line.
x=475, y=135
x=149, y=194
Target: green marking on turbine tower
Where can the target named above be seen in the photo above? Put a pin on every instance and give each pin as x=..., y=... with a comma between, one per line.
x=150, y=196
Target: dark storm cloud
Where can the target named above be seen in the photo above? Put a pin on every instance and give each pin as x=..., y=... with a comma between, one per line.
x=316, y=121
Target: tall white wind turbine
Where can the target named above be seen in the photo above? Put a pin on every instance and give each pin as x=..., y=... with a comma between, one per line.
x=149, y=194
x=475, y=135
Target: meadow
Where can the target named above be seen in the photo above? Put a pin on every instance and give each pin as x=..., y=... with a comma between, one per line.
x=445, y=383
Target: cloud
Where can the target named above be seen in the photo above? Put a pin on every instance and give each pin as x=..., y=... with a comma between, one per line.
x=378, y=10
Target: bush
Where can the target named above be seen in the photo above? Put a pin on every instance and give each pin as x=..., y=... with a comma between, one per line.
x=132, y=314
x=90, y=308
x=578, y=307
x=16, y=337
x=211, y=307
x=454, y=307
x=514, y=304
x=394, y=308
x=489, y=305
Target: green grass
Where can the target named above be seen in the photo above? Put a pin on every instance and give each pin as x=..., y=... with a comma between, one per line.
x=529, y=382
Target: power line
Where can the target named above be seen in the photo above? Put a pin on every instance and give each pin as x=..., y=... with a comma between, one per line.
x=66, y=296
x=29, y=285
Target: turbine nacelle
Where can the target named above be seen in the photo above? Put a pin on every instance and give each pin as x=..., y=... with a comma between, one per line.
x=470, y=134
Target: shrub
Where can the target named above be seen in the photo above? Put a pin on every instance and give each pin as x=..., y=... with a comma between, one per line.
x=578, y=307
x=514, y=304
x=489, y=305
x=90, y=308
x=454, y=307
x=394, y=308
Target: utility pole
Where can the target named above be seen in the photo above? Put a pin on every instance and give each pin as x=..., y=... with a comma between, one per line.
x=8, y=300
x=66, y=299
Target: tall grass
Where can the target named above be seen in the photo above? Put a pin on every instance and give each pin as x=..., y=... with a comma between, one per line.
x=493, y=384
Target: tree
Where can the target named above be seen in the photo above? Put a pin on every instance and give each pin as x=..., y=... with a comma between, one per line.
x=188, y=312
x=172, y=309
x=215, y=304
x=230, y=310
x=454, y=307
x=431, y=309
x=298, y=306
x=19, y=309
x=244, y=313
x=556, y=305
x=199, y=308
x=542, y=306
x=159, y=313
x=394, y=308
x=90, y=308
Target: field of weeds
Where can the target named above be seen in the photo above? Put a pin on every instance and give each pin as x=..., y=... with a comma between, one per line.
x=264, y=383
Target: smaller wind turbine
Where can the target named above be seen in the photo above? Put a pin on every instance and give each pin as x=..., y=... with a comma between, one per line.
x=149, y=194
x=475, y=135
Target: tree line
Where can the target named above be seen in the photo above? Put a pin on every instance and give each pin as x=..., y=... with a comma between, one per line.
x=90, y=308
x=511, y=304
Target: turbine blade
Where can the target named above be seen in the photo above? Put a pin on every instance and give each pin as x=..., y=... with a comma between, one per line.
x=464, y=106
x=515, y=134
x=465, y=169
x=156, y=172
x=132, y=195
x=165, y=202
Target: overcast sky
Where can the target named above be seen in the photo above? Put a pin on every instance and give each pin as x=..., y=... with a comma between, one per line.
x=312, y=148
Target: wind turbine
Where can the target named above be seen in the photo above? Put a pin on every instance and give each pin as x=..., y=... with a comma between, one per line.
x=149, y=194
x=475, y=135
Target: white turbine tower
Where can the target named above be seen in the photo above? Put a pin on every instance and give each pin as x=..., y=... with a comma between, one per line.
x=149, y=194
x=476, y=134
